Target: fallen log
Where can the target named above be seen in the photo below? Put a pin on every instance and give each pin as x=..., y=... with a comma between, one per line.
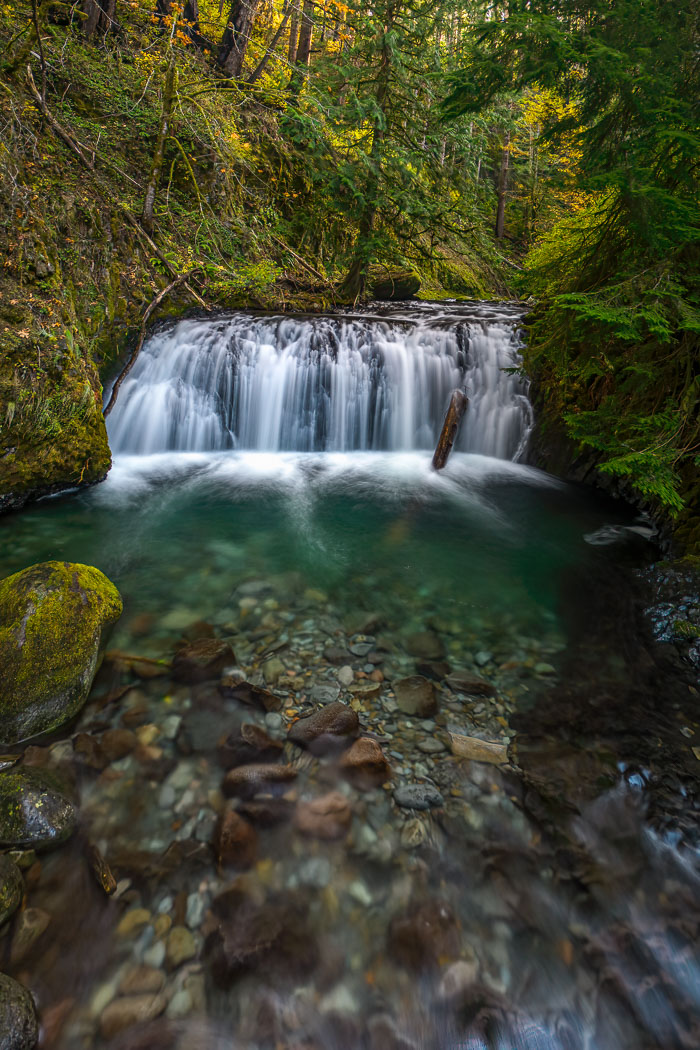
x=477, y=750
x=453, y=417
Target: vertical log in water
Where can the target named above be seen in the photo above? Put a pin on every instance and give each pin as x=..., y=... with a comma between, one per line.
x=450, y=428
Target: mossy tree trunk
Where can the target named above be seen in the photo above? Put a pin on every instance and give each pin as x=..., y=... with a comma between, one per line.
x=236, y=36
x=154, y=176
x=303, y=50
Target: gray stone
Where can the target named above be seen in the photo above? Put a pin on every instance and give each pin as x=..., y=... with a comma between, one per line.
x=19, y=1028
x=325, y=693
x=346, y=675
x=431, y=746
x=425, y=645
x=417, y=796
x=482, y=658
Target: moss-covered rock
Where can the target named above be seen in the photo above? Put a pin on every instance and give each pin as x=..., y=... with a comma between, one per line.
x=393, y=284
x=19, y=1028
x=34, y=809
x=11, y=888
x=52, y=619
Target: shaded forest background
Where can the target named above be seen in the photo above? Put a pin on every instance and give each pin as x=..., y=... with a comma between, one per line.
x=291, y=154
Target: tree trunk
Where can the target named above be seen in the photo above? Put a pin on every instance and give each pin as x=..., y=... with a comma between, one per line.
x=262, y=64
x=236, y=36
x=503, y=189
x=450, y=428
x=303, y=52
x=293, y=34
x=100, y=15
x=153, y=178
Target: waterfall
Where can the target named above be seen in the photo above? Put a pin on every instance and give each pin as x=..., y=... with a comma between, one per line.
x=326, y=383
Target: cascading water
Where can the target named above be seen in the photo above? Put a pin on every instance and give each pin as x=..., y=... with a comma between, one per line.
x=354, y=383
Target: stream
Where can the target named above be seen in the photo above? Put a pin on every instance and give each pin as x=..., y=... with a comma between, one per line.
x=272, y=490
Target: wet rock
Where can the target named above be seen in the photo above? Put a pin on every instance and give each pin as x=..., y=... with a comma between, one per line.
x=34, y=809
x=117, y=743
x=271, y=937
x=415, y=695
x=30, y=925
x=267, y=812
x=423, y=935
x=482, y=658
x=337, y=656
x=19, y=1028
x=235, y=842
x=201, y=661
x=430, y=746
x=435, y=669
x=133, y=921
x=418, y=796
x=425, y=645
x=365, y=764
x=324, y=694
x=478, y=750
x=53, y=619
x=470, y=684
x=414, y=833
x=142, y=980
x=273, y=669
x=346, y=675
x=11, y=888
x=179, y=947
x=130, y=1010
x=88, y=752
x=366, y=690
x=247, y=693
x=393, y=283
x=329, y=729
x=248, y=744
x=257, y=778
x=326, y=817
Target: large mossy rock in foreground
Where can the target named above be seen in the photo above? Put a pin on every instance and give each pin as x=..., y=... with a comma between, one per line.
x=52, y=620
x=19, y=1028
x=393, y=284
x=11, y=888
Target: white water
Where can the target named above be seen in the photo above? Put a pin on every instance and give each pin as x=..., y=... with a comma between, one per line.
x=332, y=384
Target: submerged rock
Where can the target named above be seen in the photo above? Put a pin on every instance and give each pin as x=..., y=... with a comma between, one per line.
x=423, y=935
x=247, y=693
x=34, y=809
x=417, y=796
x=332, y=727
x=249, y=780
x=53, y=618
x=19, y=1028
x=425, y=645
x=130, y=1010
x=11, y=888
x=365, y=764
x=249, y=744
x=471, y=684
x=202, y=660
x=236, y=841
x=415, y=695
x=327, y=817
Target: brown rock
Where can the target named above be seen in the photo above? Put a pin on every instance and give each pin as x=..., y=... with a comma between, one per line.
x=257, y=778
x=248, y=744
x=141, y=980
x=87, y=751
x=331, y=728
x=335, y=655
x=180, y=947
x=425, y=645
x=29, y=926
x=471, y=684
x=415, y=695
x=202, y=660
x=130, y=1010
x=117, y=743
x=435, y=669
x=267, y=812
x=365, y=765
x=247, y=693
x=327, y=817
x=235, y=841
x=424, y=935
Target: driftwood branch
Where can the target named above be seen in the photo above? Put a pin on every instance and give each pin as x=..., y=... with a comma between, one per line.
x=153, y=305
x=450, y=428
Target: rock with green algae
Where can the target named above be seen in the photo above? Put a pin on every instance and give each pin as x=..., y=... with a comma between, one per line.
x=35, y=809
x=395, y=283
x=19, y=1028
x=52, y=620
x=11, y=888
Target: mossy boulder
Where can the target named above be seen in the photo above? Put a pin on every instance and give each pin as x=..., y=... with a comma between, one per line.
x=53, y=617
x=11, y=888
x=393, y=283
x=35, y=809
x=19, y=1028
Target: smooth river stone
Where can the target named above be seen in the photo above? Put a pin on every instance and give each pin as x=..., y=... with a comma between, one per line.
x=327, y=817
x=11, y=888
x=249, y=780
x=34, y=810
x=202, y=661
x=425, y=645
x=417, y=796
x=328, y=729
x=19, y=1028
x=471, y=684
x=477, y=750
x=365, y=764
x=415, y=695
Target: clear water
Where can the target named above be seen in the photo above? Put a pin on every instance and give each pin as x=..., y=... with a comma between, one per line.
x=537, y=907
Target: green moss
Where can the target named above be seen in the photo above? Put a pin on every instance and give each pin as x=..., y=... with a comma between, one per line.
x=34, y=809
x=52, y=618
x=686, y=630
